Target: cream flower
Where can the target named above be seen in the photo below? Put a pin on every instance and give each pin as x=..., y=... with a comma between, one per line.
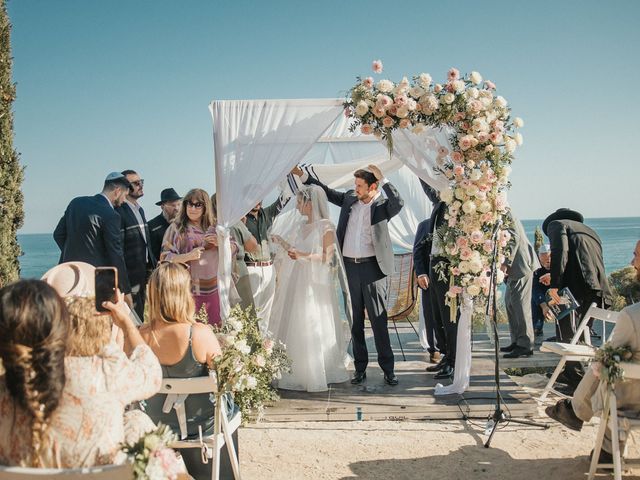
x=425, y=80
x=362, y=108
x=416, y=91
x=385, y=86
x=469, y=207
x=518, y=122
x=473, y=290
x=449, y=98
x=518, y=138
x=500, y=102
x=475, y=78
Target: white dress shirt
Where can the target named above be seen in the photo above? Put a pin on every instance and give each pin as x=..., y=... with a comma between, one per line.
x=136, y=212
x=358, y=239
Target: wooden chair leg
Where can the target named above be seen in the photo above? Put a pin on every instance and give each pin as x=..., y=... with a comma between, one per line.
x=215, y=468
x=599, y=438
x=228, y=440
x=615, y=439
x=553, y=379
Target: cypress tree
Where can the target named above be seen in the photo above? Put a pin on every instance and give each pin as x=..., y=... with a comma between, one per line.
x=11, y=173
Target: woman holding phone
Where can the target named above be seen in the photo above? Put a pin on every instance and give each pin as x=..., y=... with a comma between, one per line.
x=191, y=239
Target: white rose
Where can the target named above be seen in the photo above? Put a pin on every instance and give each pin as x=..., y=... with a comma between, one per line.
x=501, y=102
x=518, y=138
x=449, y=98
x=510, y=146
x=241, y=345
x=473, y=290
x=518, y=122
x=475, y=78
x=469, y=207
x=475, y=265
x=506, y=171
x=472, y=190
x=463, y=267
x=459, y=193
x=362, y=108
x=484, y=207
x=476, y=174
x=416, y=91
x=385, y=86
x=446, y=195
x=251, y=382
x=425, y=80
x=473, y=92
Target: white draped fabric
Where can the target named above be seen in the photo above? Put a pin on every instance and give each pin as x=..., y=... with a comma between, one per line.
x=257, y=143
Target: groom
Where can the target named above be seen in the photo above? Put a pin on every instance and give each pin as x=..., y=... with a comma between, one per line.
x=363, y=235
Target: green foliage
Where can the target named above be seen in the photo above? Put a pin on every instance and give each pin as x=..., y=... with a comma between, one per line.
x=11, y=173
x=625, y=286
x=538, y=239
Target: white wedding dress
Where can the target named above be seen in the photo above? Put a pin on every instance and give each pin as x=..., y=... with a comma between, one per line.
x=308, y=313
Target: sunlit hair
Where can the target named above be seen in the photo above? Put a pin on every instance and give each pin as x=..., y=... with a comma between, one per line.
x=34, y=324
x=89, y=331
x=194, y=196
x=169, y=295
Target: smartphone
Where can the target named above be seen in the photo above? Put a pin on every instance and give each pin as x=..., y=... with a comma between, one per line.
x=106, y=286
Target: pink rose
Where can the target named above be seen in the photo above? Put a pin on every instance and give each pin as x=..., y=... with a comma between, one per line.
x=452, y=222
x=404, y=123
x=384, y=101
x=475, y=106
x=495, y=137
x=368, y=83
x=401, y=100
x=483, y=137
x=458, y=116
x=498, y=125
x=462, y=242
x=488, y=245
x=458, y=170
x=455, y=271
x=387, y=122
x=486, y=217
x=376, y=66
x=379, y=111
x=466, y=253
x=454, y=290
x=437, y=88
x=453, y=74
x=489, y=85
x=449, y=87
x=476, y=237
x=457, y=157
x=366, y=129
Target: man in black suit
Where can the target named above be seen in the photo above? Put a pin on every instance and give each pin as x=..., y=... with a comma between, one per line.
x=576, y=263
x=135, y=234
x=89, y=231
x=446, y=330
x=170, y=205
x=421, y=265
x=363, y=236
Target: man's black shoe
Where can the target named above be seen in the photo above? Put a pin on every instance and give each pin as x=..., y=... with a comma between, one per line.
x=390, y=379
x=551, y=339
x=438, y=366
x=518, y=352
x=563, y=412
x=508, y=348
x=445, y=372
x=358, y=378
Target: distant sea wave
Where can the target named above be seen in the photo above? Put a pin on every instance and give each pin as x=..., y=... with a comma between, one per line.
x=619, y=236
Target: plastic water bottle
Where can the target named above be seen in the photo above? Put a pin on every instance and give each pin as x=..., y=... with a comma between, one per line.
x=359, y=414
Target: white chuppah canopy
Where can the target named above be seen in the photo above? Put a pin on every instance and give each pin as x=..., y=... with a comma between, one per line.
x=258, y=142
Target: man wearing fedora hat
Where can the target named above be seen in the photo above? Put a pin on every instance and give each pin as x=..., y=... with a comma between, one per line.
x=170, y=205
x=89, y=230
x=576, y=264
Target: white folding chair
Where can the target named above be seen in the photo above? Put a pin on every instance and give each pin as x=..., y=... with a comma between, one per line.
x=611, y=418
x=105, y=472
x=177, y=390
x=574, y=352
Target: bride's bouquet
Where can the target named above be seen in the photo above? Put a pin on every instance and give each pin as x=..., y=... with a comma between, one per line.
x=249, y=363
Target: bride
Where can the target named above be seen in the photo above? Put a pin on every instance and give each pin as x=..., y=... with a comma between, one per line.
x=309, y=311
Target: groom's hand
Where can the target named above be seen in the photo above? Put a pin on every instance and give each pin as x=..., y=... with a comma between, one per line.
x=297, y=171
x=376, y=172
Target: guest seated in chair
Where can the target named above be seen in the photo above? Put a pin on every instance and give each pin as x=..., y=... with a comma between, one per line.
x=185, y=349
x=572, y=413
x=69, y=382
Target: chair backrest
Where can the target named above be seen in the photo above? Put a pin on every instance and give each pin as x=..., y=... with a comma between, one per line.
x=106, y=472
x=402, y=287
x=597, y=313
x=183, y=386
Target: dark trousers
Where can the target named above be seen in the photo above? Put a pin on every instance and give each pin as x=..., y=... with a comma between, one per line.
x=368, y=289
x=446, y=330
x=139, y=299
x=429, y=322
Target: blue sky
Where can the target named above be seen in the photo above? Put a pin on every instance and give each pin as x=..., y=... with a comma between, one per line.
x=110, y=85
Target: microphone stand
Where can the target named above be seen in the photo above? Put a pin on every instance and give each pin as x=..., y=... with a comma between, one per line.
x=499, y=415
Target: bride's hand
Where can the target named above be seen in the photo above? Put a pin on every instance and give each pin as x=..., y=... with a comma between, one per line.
x=293, y=254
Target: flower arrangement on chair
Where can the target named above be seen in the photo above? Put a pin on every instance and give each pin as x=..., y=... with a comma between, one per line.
x=152, y=459
x=477, y=167
x=249, y=363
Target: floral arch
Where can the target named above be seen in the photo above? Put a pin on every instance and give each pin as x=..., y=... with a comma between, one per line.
x=483, y=137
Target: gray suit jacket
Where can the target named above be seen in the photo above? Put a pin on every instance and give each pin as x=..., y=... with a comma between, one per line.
x=382, y=210
x=523, y=260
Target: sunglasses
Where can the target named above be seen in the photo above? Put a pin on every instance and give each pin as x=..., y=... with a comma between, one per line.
x=195, y=204
x=186, y=266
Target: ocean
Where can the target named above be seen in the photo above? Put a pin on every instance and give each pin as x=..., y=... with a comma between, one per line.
x=619, y=236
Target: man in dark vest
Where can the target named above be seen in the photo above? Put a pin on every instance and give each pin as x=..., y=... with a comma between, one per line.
x=170, y=205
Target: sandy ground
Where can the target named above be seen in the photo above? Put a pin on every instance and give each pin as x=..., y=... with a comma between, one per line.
x=417, y=450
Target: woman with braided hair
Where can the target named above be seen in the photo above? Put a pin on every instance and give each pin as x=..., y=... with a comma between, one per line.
x=34, y=324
